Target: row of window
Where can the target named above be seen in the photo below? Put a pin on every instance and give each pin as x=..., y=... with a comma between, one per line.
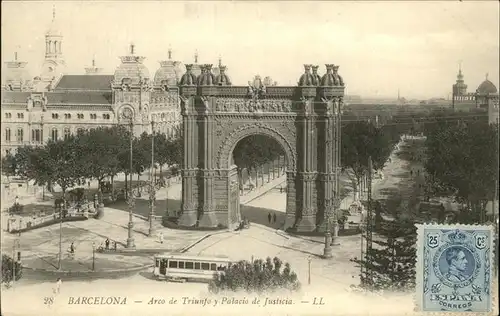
x=194, y=265
x=55, y=116
x=19, y=115
x=36, y=134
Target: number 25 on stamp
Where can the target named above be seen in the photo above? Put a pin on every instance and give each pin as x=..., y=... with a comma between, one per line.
x=454, y=268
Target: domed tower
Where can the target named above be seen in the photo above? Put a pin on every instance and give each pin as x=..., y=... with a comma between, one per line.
x=166, y=75
x=188, y=79
x=328, y=80
x=307, y=78
x=132, y=92
x=459, y=88
x=222, y=79
x=487, y=87
x=16, y=77
x=485, y=93
x=316, y=76
x=54, y=64
x=196, y=69
x=131, y=71
x=207, y=78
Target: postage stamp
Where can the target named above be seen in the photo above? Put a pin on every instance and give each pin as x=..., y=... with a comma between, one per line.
x=454, y=268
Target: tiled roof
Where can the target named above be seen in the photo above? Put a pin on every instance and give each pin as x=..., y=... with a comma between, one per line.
x=84, y=97
x=15, y=97
x=85, y=82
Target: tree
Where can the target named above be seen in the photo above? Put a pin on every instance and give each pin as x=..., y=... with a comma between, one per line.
x=161, y=150
x=29, y=164
x=462, y=160
x=361, y=140
x=100, y=149
x=9, y=165
x=62, y=158
x=390, y=265
x=255, y=151
x=175, y=148
x=9, y=267
x=258, y=276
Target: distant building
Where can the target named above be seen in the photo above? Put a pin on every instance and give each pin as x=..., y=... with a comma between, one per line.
x=465, y=101
x=493, y=109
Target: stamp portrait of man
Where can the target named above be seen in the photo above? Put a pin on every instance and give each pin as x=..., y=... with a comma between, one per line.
x=457, y=265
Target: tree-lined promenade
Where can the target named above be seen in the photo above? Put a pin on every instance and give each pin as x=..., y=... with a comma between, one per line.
x=96, y=154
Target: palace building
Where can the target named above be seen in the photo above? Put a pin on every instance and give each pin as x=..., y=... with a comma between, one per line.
x=54, y=104
x=485, y=97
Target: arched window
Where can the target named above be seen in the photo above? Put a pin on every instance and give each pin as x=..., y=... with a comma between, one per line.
x=7, y=134
x=67, y=133
x=54, y=134
x=20, y=135
x=36, y=135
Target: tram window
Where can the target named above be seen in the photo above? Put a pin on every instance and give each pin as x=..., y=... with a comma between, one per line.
x=181, y=264
x=205, y=266
x=213, y=267
x=189, y=265
x=157, y=263
x=172, y=264
x=197, y=265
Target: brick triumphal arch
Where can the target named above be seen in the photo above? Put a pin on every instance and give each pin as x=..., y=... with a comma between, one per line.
x=303, y=119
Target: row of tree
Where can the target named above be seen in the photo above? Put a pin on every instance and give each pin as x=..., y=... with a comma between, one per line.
x=462, y=162
x=94, y=154
x=362, y=140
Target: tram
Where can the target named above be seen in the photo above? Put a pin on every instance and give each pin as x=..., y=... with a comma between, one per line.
x=183, y=267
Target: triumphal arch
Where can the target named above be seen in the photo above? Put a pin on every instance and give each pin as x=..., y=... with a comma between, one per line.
x=303, y=119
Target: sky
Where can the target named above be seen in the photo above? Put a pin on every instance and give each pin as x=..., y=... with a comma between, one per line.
x=380, y=46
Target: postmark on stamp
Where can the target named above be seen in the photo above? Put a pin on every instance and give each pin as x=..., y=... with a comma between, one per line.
x=454, y=268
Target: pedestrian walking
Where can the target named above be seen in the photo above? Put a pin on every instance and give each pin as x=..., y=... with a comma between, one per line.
x=160, y=236
x=114, y=245
x=72, y=248
x=58, y=285
x=107, y=243
x=269, y=217
x=274, y=218
x=16, y=200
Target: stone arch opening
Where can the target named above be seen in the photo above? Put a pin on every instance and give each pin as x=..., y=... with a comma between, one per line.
x=261, y=164
x=227, y=147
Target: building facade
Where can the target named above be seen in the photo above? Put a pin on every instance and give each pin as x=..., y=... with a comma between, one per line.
x=54, y=105
x=467, y=101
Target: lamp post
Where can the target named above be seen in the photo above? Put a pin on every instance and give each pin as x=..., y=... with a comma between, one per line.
x=127, y=114
x=152, y=189
x=61, y=206
x=93, y=256
x=14, y=259
x=309, y=269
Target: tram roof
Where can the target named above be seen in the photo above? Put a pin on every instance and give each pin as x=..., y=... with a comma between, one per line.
x=182, y=256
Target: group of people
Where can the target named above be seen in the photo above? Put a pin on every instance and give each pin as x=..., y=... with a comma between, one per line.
x=271, y=218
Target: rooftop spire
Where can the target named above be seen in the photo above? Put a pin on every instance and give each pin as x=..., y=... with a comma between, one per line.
x=53, y=12
x=93, y=60
x=169, y=53
x=196, y=57
x=487, y=76
x=132, y=46
x=15, y=56
x=220, y=61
